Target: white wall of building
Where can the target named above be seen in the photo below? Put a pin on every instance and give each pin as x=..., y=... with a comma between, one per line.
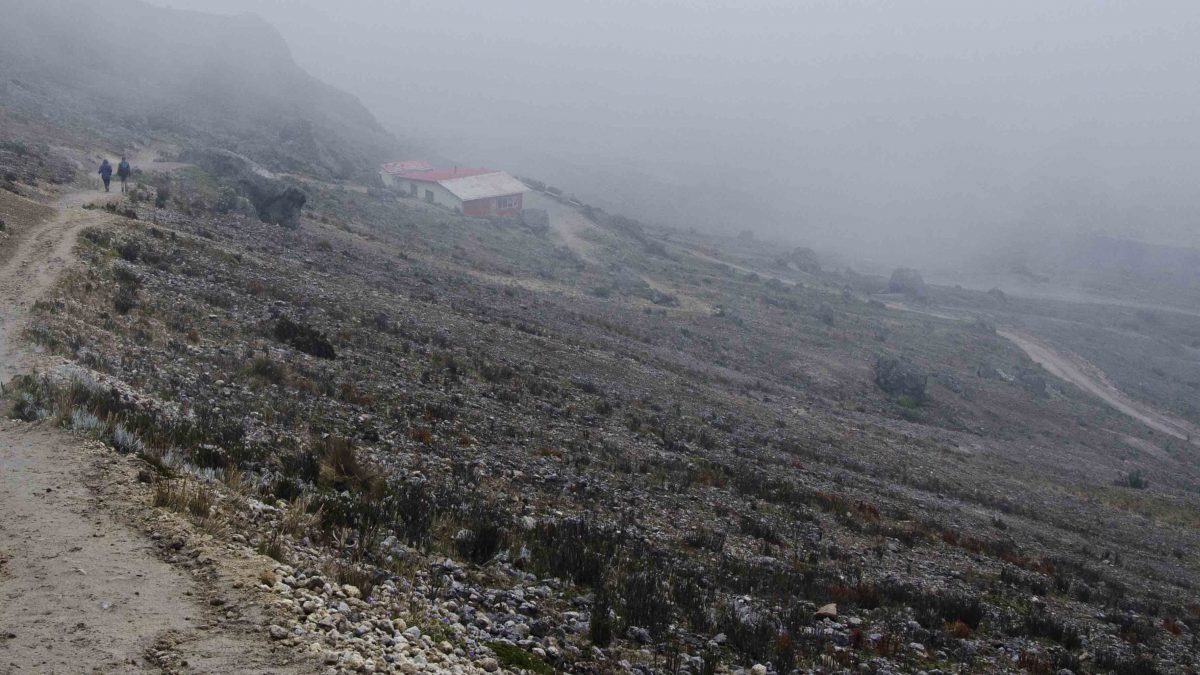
x=441, y=196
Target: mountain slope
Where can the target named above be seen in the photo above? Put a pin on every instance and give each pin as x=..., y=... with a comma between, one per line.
x=123, y=69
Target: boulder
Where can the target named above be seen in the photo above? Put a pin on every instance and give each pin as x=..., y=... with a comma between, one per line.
x=805, y=259
x=273, y=201
x=827, y=611
x=900, y=377
x=907, y=281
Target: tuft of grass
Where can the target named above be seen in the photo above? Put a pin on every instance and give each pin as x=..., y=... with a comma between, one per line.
x=84, y=421
x=340, y=468
x=127, y=442
x=273, y=548
x=185, y=497
x=268, y=369
x=513, y=657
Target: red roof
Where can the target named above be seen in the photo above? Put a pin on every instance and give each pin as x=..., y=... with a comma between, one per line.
x=405, y=166
x=442, y=174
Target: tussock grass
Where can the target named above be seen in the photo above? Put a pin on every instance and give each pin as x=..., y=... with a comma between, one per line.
x=184, y=496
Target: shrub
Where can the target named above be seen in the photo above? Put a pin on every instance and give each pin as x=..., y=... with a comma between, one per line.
x=304, y=338
x=825, y=314
x=340, y=468
x=84, y=421
x=268, y=369
x=125, y=300
x=130, y=250
x=1135, y=479
x=1049, y=626
x=573, y=548
x=125, y=441
x=600, y=620
x=126, y=276
x=162, y=195
x=184, y=497
x=484, y=535
x=900, y=377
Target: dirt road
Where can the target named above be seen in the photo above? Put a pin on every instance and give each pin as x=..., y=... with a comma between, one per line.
x=568, y=224
x=81, y=590
x=1087, y=377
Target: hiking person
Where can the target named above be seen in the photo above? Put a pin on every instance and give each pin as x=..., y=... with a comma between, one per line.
x=123, y=172
x=105, y=173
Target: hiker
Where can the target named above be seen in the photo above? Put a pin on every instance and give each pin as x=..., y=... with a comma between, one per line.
x=123, y=172
x=105, y=173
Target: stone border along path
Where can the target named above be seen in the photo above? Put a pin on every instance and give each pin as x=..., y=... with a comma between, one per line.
x=82, y=587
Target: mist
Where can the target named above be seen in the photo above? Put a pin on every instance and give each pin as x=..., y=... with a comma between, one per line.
x=925, y=133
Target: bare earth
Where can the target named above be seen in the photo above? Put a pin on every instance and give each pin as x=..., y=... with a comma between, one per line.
x=80, y=589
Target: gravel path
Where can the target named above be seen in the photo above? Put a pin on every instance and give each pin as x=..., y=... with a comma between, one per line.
x=81, y=590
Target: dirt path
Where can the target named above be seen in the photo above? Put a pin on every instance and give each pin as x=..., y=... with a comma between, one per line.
x=568, y=224
x=1087, y=377
x=81, y=590
x=30, y=266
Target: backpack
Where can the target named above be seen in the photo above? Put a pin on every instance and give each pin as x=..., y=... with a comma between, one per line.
x=123, y=169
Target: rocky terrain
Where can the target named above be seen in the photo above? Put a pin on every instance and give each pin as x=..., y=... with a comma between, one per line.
x=383, y=437
x=465, y=446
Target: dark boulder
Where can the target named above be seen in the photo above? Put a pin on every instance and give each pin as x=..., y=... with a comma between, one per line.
x=805, y=259
x=907, y=281
x=900, y=377
x=283, y=208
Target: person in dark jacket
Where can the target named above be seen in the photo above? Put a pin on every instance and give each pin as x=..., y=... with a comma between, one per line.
x=123, y=172
x=106, y=173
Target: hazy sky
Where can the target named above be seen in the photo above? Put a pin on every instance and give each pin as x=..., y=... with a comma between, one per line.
x=893, y=129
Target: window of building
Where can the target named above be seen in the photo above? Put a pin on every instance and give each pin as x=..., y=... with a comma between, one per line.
x=510, y=202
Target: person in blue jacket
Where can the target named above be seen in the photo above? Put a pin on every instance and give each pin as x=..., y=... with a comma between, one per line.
x=124, y=171
x=106, y=171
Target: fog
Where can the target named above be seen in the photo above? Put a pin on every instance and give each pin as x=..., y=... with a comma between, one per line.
x=922, y=132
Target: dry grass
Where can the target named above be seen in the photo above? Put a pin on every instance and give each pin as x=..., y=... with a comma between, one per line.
x=422, y=435
x=300, y=518
x=187, y=497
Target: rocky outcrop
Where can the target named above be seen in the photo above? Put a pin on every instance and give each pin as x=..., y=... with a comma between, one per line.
x=273, y=201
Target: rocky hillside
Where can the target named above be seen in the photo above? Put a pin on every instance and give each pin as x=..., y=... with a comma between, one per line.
x=589, y=447
x=122, y=69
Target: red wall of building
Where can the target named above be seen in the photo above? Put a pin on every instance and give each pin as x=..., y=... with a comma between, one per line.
x=481, y=208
